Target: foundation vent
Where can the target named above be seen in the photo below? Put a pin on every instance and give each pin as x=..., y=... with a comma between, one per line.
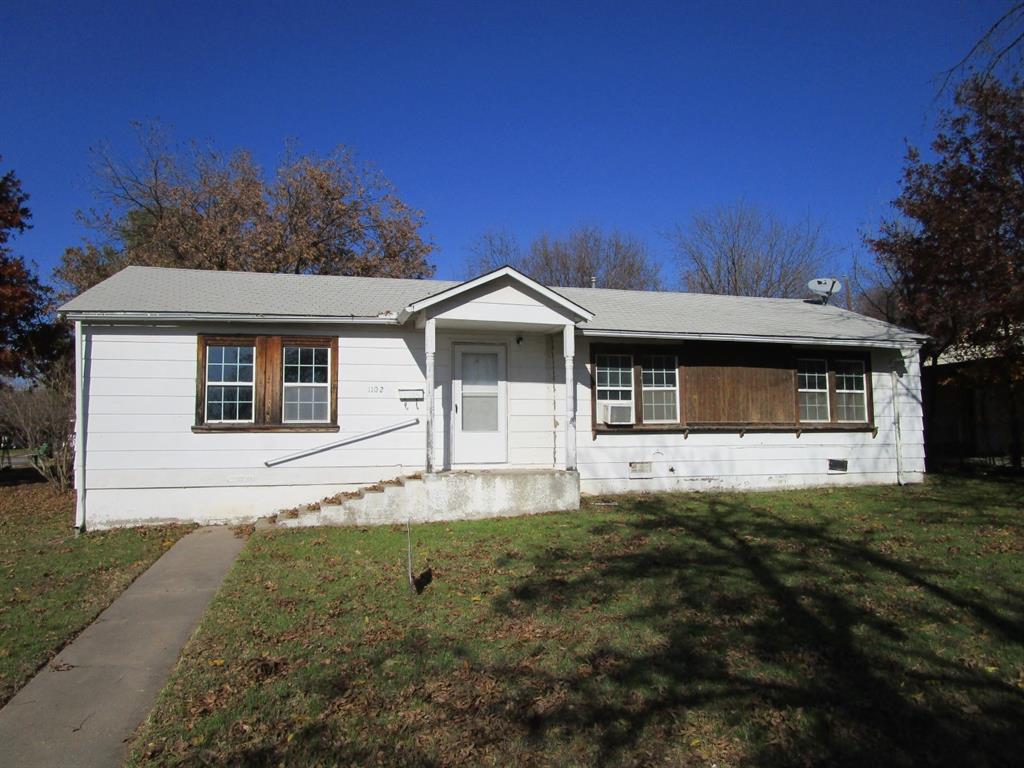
x=641, y=469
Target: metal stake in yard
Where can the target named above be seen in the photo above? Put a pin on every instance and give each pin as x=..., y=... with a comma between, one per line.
x=416, y=583
x=408, y=543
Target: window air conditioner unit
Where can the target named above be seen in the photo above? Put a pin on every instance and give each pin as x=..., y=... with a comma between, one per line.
x=618, y=414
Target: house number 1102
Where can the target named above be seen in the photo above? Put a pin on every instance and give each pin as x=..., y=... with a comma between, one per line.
x=375, y=389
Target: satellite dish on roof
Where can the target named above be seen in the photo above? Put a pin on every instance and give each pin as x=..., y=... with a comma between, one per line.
x=826, y=287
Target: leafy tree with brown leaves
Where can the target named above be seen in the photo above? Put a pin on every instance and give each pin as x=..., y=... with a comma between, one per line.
x=743, y=250
x=955, y=252
x=585, y=254
x=197, y=208
x=14, y=214
x=27, y=335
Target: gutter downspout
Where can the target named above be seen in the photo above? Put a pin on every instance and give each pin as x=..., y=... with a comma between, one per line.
x=79, y=428
x=896, y=427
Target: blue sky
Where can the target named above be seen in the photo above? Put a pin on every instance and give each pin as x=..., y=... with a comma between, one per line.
x=527, y=116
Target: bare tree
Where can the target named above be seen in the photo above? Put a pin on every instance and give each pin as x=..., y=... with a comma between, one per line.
x=585, y=255
x=1000, y=45
x=742, y=250
x=875, y=293
x=493, y=249
x=42, y=418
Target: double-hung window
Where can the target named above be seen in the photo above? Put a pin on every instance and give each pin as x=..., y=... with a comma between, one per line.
x=833, y=391
x=614, y=374
x=230, y=383
x=851, y=392
x=617, y=380
x=812, y=389
x=660, y=391
x=267, y=383
x=306, y=384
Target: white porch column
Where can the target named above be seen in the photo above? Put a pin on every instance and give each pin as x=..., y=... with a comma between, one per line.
x=569, y=350
x=431, y=346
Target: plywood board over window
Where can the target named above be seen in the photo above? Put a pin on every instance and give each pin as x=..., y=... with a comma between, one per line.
x=267, y=384
x=739, y=384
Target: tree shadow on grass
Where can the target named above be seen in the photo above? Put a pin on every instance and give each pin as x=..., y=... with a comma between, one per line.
x=690, y=630
x=788, y=632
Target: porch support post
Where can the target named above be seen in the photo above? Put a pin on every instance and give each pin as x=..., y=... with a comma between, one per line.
x=569, y=350
x=431, y=346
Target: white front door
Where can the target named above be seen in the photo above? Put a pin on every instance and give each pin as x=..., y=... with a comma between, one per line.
x=479, y=404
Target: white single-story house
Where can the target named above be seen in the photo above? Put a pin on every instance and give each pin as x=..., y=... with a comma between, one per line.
x=226, y=396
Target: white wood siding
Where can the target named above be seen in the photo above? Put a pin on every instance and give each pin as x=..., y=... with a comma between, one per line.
x=143, y=462
x=758, y=460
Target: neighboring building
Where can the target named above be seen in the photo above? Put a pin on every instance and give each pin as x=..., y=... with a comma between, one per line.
x=224, y=396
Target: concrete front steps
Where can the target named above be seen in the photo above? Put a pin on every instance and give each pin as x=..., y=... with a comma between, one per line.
x=455, y=495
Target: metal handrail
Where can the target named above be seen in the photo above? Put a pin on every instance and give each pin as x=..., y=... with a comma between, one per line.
x=346, y=441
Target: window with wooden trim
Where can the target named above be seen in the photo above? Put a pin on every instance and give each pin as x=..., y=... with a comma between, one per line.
x=230, y=383
x=307, y=383
x=659, y=376
x=267, y=383
x=851, y=391
x=614, y=374
x=734, y=385
x=812, y=389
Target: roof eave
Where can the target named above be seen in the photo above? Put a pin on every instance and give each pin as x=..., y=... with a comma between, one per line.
x=813, y=341
x=131, y=316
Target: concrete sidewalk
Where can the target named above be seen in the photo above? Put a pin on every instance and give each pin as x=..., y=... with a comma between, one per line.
x=83, y=706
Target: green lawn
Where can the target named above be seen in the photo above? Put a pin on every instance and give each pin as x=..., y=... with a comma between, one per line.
x=53, y=584
x=876, y=626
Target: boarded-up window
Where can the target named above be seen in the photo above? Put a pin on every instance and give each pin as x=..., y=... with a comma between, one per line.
x=739, y=384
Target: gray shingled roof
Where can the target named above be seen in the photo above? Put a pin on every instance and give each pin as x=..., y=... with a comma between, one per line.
x=709, y=315
x=202, y=292
x=193, y=293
